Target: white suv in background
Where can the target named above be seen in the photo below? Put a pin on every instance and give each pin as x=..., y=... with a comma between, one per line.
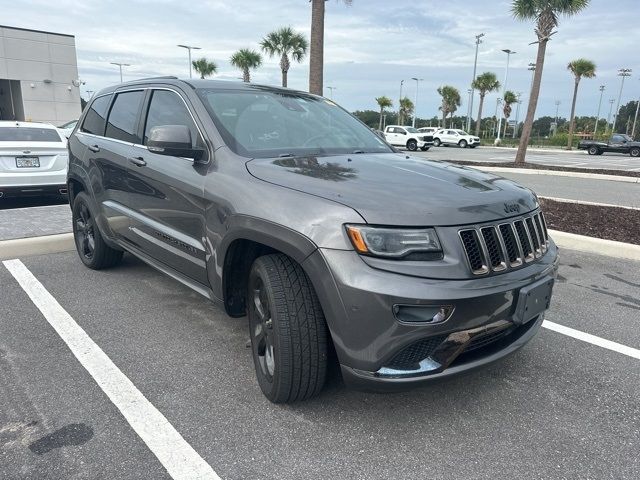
x=33, y=159
x=450, y=136
x=408, y=137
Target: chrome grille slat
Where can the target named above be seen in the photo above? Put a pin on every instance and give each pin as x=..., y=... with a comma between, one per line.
x=499, y=247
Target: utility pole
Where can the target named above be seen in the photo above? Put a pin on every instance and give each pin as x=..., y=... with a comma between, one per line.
x=400, y=104
x=506, y=78
x=415, y=106
x=120, y=65
x=623, y=72
x=595, y=130
x=470, y=92
x=518, y=102
x=331, y=89
x=190, y=47
x=635, y=119
x=611, y=102
x=557, y=102
x=475, y=64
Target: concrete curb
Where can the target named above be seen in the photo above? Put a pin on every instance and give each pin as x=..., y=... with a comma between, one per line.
x=584, y=202
x=527, y=171
x=608, y=248
x=19, y=247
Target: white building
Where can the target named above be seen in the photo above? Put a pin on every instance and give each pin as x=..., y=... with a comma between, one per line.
x=38, y=76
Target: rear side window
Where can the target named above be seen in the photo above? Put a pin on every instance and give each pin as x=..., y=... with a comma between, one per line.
x=167, y=108
x=95, y=118
x=122, y=123
x=28, y=134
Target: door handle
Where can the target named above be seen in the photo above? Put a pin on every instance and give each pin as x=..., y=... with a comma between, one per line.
x=137, y=161
x=94, y=148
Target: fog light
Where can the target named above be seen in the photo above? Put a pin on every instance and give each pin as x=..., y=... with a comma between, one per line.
x=429, y=314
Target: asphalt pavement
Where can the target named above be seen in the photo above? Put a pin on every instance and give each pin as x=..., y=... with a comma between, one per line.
x=559, y=408
x=574, y=158
x=581, y=189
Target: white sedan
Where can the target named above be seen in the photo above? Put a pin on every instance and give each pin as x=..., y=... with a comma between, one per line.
x=33, y=159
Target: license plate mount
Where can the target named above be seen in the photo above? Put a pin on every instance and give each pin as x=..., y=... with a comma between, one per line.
x=28, y=162
x=533, y=300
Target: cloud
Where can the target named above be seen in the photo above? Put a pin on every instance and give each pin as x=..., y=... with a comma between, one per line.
x=370, y=46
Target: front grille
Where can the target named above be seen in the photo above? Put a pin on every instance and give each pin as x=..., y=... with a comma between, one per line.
x=409, y=357
x=497, y=248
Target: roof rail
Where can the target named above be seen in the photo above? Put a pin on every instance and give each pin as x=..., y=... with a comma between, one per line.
x=165, y=77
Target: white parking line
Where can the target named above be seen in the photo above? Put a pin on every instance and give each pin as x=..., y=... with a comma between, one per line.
x=175, y=454
x=592, y=339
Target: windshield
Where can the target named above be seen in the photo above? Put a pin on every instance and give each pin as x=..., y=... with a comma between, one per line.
x=28, y=134
x=267, y=124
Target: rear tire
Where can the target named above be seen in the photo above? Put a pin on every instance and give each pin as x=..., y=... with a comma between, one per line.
x=462, y=143
x=436, y=142
x=91, y=247
x=412, y=145
x=289, y=337
x=634, y=152
x=593, y=150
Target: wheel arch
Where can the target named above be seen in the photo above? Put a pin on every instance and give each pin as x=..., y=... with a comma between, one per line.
x=248, y=238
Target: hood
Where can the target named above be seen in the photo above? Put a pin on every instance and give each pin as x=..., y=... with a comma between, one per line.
x=394, y=189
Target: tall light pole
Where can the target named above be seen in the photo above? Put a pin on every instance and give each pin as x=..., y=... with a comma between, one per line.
x=189, y=48
x=611, y=102
x=623, y=72
x=400, y=103
x=415, y=106
x=504, y=89
x=331, y=89
x=475, y=64
x=120, y=65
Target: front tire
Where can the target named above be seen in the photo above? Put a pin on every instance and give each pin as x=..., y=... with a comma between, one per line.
x=91, y=247
x=412, y=145
x=289, y=337
x=593, y=150
x=462, y=143
x=634, y=152
x=436, y=142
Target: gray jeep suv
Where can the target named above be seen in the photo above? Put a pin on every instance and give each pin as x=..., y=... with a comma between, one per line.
x=281, y=206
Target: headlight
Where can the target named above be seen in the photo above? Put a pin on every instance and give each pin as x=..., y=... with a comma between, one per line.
x=392, y=242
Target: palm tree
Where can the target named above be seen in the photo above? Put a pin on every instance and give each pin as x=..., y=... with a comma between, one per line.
x=406, y=109
x=383, y=102
x=545, y=13
x=316, y=52
x=508, y=99
x=450, y=101
x=204, y=67
x=246, y=60
x=285, y=42
x=484, y=83
x=580, y=68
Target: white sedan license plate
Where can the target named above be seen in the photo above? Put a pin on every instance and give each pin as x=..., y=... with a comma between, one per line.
x=27, y=162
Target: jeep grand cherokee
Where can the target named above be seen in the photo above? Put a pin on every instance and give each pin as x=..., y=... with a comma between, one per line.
x=281, y=206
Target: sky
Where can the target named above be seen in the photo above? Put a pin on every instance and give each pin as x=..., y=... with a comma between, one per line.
x=369, y=47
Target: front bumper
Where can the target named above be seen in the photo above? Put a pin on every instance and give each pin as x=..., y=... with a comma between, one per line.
x=359, y=301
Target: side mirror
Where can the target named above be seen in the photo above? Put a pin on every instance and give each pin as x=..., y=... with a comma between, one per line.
x=173, y=141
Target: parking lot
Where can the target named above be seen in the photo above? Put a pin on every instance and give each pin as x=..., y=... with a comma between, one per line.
x=575, y=158
x=559, y=408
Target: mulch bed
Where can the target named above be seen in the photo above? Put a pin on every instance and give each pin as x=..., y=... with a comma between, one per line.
x=537, y=166
x=610, y=223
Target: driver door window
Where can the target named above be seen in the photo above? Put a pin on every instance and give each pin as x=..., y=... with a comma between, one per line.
x=167, y=108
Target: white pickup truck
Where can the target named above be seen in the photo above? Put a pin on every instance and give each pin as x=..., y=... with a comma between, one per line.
x=408, y=137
